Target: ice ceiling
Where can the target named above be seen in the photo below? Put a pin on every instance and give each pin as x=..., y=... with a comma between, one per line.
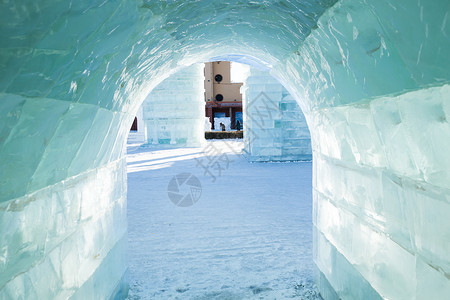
x=109, y=54
x=371, y=76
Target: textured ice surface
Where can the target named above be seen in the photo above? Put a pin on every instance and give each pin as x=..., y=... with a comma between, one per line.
x=174, y=111
x=275, y=128
x=382, y=199
x=40, y=231
x=251, y=241
x=372, y=78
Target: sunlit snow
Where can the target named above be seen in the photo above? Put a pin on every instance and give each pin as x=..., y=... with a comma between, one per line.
x=248, y=236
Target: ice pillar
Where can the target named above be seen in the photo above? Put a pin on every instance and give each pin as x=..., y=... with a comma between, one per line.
x=275, y=128
x=174, y=112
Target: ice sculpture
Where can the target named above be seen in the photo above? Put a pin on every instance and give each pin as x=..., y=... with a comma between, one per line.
x=370, y=76
x=226, y=121
x=275, y=128
x=174, y=111
x=207, y=124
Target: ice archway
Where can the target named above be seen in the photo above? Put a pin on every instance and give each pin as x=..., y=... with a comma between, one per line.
x=371, y=76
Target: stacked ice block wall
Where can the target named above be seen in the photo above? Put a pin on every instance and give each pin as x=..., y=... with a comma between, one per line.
x=62, y=227
x=174, y=111
x=275, y=128
x=381, y=196
x=375, y=78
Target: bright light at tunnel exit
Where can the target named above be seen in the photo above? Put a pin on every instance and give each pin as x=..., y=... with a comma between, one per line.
x=239, y=72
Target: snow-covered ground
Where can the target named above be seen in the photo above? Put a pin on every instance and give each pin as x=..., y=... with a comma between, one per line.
x=247, y=236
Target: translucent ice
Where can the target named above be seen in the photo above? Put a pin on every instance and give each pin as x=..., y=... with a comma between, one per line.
x=174, y=111
x=275, y=128
x=372, y=78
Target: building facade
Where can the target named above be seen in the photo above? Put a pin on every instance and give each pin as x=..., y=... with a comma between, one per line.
x=222, y=96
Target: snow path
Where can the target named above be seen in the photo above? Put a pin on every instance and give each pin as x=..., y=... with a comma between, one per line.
x=249, y=236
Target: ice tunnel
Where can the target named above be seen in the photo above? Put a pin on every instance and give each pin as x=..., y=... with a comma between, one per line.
x=371, y=76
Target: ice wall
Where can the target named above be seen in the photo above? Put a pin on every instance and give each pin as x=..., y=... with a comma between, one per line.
x=371, y=78
x=62, y=241
x=275, y=128
x=375, y=79
x=174, y=111
x=381, y=196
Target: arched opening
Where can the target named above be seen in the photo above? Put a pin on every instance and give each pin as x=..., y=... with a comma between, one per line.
x=249, y=232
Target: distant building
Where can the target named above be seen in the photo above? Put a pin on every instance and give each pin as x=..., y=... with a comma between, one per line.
x=223, y=97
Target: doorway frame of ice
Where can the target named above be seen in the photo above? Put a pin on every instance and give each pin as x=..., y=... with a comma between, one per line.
x=105, y=81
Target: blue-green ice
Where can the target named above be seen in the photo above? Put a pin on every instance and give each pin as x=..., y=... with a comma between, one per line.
x=371, y=76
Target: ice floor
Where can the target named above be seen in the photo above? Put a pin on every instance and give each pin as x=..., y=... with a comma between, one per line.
x=249, y=236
